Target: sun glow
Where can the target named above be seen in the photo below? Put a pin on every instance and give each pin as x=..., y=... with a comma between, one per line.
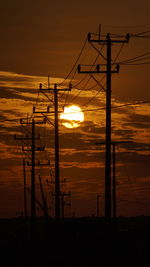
x=72, y=117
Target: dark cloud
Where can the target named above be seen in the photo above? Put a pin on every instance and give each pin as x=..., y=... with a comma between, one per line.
x=138, y=120
x=11, y=93
x=124, y=133
x=90, y=127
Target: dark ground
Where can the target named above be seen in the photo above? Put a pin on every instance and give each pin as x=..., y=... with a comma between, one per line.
x=76, y=242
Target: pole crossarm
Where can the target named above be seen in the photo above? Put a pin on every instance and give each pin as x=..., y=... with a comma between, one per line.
x=25, y=137
x=108, y=37
x=53, y=181
x=29, y=163
x=38, y=163
x=47, y=111
x=44, y=163
x=35, y=122
x=114, y=142
x=98, y=69
x=55, y=88
x=39, y=148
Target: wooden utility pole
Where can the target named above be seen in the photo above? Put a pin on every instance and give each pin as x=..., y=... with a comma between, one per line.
x=108, y=42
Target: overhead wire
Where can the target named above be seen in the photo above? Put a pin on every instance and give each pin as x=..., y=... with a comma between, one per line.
x=74, y=74
x=113, y=107
x=137, y=60
x=75, y=85
x=139, y=57
x=103, y=86
x=130, y=60
x=136, y=64
x=80, y=53
x=81, y=89
x=127, y=26
x=76, y=62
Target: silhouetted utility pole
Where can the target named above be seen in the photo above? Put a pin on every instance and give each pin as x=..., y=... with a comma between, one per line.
x=114, y=181
x=24, y=187
x=108, y=42
x=57, y=173
x=43, y=198
x=36, y=200
x=97, y=205
x=64, y=202
x=33, y=207
x=55, y=90
x=114, y=202
x=114, y=144
x=32, y=148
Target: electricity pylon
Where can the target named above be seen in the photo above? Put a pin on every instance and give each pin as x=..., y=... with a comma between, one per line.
x=108, y=41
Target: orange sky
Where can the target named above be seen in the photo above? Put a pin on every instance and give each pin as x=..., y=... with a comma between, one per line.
x=45, y=39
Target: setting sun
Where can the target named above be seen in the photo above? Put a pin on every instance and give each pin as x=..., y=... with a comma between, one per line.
x=72, y=117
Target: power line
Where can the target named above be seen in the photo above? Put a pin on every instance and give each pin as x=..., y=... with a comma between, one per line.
x=81, y=89
x=81, y=51
x=93, y=109
x=134, y=58
x=127, y=26
x=136, y=64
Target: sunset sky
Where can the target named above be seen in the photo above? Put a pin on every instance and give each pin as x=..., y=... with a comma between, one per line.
x=41, y=38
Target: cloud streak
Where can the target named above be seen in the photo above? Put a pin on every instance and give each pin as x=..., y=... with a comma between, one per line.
x=81, y=161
